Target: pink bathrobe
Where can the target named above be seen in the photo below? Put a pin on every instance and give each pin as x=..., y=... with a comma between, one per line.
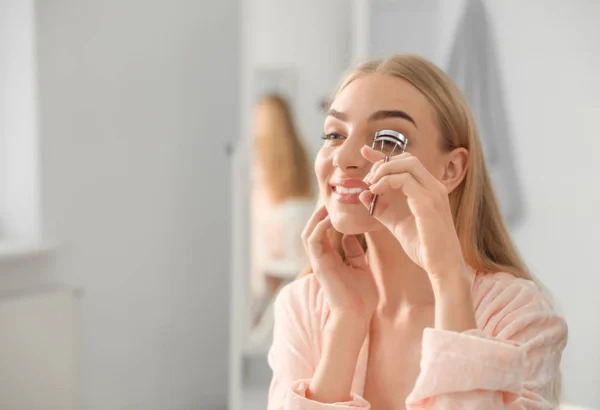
x=511, y=361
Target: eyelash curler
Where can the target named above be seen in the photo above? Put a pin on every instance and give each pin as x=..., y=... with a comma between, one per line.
x=391, y=137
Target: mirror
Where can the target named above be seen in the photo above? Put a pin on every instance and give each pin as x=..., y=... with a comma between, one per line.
x=287, y=79
x=282, y=198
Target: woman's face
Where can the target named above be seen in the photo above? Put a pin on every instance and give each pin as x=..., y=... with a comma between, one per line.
x=367, y=105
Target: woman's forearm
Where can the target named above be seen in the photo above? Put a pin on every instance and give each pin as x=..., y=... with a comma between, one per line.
x=343, y=339
x=454, y=304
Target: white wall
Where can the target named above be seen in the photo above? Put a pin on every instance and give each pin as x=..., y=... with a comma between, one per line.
x=549, y=51
x=549, y=59
x=138, y=100
x=409, y=26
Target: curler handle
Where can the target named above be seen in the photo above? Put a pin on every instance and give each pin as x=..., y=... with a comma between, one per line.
x=374, y=199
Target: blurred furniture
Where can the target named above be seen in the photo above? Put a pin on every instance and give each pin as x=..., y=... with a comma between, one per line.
x=38, y=350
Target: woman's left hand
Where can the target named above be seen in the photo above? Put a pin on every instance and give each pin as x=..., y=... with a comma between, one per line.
x=427, y=234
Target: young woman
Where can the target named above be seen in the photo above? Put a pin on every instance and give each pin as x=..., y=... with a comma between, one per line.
x=426, y=304
x=282, y=202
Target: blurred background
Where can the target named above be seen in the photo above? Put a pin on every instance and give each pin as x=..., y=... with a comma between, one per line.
x=147, y=220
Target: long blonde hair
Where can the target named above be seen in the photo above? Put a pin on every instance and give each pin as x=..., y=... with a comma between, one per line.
x=480, y=227
x=279, y=151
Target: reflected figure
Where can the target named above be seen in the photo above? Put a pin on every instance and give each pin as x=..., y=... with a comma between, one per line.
x=282, y=202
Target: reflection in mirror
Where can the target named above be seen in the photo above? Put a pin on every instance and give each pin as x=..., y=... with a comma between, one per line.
x=282, y=200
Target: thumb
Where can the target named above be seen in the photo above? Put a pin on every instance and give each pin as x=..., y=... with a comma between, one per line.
x=365, y=197
x=354, y=252
x=371, y=154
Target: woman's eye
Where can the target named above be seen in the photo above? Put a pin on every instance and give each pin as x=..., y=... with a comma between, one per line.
x=332, y=137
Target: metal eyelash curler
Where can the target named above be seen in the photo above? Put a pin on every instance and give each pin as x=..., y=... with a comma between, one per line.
x=391, y=137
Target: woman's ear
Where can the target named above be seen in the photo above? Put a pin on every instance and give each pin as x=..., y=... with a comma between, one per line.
x=457, y=163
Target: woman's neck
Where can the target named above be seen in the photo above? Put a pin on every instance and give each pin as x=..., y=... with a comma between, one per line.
x=401, y=283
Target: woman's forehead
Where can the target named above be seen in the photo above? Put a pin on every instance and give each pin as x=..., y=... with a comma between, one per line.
x=375, y=92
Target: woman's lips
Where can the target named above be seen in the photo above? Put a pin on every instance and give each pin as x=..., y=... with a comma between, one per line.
x=347, y=191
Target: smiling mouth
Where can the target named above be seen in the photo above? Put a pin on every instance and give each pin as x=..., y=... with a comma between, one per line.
x=347, y=191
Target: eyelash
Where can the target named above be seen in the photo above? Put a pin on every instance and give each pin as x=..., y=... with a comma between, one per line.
x=335, y=138
x=385, y=144
x=330, y=136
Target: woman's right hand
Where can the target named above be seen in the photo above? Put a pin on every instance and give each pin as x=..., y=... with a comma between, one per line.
x=349, y=287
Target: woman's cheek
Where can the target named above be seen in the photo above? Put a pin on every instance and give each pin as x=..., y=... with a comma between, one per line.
x=323, y=168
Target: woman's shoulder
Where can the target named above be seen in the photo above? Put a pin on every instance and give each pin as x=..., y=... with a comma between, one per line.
x=504, y=304
x=304, y=299
x=489, y=286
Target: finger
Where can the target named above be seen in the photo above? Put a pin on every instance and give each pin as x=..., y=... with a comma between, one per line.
x=369, y=177
x=407, y=163
x=355, y=254
x=318, y=241
x=404, y=182
x=322, y=255
x=371, y=154
x=319, y=214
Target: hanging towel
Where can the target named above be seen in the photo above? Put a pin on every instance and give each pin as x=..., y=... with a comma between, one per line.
x=473, y=65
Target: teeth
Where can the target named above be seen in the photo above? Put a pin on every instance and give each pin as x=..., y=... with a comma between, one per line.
x=342, y=190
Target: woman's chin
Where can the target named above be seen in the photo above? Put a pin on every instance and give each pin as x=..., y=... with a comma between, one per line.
x=349, y=224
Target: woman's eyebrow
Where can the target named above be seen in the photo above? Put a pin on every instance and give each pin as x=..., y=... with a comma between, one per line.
x=381, y=115
x=337, y=114
x=378, y=115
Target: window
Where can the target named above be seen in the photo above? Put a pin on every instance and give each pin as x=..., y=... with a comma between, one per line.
x=19, y=175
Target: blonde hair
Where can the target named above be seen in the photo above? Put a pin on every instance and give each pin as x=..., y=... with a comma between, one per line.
x=482, y=232
x=280, y=152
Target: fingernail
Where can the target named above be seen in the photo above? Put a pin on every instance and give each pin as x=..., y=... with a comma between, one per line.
x=367, y=178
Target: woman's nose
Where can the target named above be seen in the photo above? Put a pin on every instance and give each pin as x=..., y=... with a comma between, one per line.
x=348, y=155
